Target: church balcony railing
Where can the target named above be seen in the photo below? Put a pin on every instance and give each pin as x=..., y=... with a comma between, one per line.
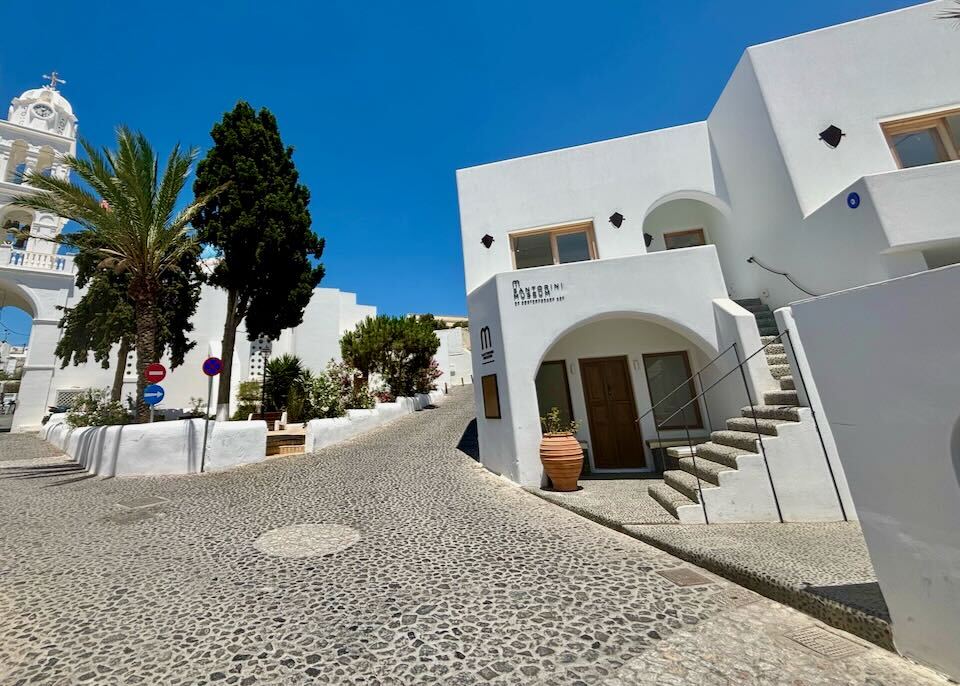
x=36, y=261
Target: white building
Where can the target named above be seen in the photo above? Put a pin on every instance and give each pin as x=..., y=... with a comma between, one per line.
x=602, y=277
x=40, y=128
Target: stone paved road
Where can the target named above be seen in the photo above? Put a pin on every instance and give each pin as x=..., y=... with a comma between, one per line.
x=439, y=573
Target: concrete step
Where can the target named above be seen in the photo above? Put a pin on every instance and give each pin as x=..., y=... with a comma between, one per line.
x=684, y=482
x=787, y=414
x=681, y=451
x=767, y=339
x=767, y=427
x=707, y=470
x=775, y=358
x=781, y=398
x=751, y=302
x=786, y=383
x=775, y=349
x=722, y=454
x=765, y=318
x=769, y=331
x=668, y=497
x=779, y=370
x=736, y=439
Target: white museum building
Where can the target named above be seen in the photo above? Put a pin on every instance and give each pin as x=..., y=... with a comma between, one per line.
x=626, y=281
x=37, y=279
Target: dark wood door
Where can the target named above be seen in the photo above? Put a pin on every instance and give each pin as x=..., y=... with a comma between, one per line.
x=612, y=413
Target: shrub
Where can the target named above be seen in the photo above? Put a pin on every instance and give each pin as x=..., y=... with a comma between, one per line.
x=242, y=412
x=332, y=392
x=425, y=379
x=397, y=348
x=281, y=374
x=94, y=408
x=198, y=409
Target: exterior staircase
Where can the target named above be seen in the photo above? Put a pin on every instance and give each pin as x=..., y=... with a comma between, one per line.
x=763, y=314
x=729, y=472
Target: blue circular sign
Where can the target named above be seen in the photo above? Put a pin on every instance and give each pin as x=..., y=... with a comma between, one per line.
x=152, y=394
x=212, y=366
x=853, y=201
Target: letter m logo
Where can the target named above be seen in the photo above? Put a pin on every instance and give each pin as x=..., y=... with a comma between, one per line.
x=486, y=340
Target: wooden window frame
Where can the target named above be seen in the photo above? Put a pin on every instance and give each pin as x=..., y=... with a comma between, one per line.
x=566, y=383
x=488, y=412
x=684, y=232
x=936, y=121
x=692, y=390
x=553, y=232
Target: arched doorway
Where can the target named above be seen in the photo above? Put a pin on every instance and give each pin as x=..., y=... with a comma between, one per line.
x=17, y=311
x=608, y=374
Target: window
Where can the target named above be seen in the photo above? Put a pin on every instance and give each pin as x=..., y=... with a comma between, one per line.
x=924, y=140
x=665, y=373
x=491, y=397
x=684, y=239
x=553, y=246
x=553, y=390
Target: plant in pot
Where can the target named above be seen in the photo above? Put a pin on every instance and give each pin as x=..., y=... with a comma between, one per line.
x=560, y=452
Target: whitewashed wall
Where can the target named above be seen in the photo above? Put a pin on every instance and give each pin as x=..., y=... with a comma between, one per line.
x=886, y=363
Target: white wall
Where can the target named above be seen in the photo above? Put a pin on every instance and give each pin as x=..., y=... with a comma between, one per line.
x=886, y=363
x=631, y=338
x=589, y=182
x=674, y=289
x=454, y=357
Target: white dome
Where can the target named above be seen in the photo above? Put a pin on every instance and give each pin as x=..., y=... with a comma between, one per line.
x=44, y=109
x=47, y=95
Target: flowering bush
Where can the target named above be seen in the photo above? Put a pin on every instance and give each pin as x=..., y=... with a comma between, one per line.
x=333, y=391
x=94, y=408
x=424, y=380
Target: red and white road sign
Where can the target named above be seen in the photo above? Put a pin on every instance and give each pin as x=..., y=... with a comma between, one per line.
x=155, y=372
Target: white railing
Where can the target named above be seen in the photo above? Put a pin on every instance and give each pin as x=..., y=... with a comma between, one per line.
x=26, y=259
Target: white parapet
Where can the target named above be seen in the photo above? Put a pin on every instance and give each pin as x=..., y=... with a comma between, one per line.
x=173, y=447
x=326, y=432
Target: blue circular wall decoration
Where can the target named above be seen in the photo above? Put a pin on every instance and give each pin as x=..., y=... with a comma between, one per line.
x=853, y=201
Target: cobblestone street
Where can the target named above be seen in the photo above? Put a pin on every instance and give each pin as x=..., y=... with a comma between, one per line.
x=390, y=559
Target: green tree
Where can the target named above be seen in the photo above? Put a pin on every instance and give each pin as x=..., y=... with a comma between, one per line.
x=398, y=348
x=104, y=316
x=280, y=376
x=260, y=228
x=129, y=208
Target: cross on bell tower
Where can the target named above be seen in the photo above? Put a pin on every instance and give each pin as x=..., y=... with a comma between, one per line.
x=54, y=80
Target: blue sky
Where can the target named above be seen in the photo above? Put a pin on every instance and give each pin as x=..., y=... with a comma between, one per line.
x=383, y=101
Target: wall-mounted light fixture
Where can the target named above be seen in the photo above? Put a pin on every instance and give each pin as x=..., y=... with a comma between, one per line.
x=487, y=240
x=832, y=135
x=617, y=220
x=647, y=239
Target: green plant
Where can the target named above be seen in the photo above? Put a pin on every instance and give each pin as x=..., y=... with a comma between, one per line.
x=553, y=423
x=95, y=408
x=198, y=409
x=260, y=229
x=397, y=348
x=425, y=380
x=242, y=412
x=128, y=211
x=280, y=375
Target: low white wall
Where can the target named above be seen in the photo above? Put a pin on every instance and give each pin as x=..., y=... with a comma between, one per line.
x=326, y=432
x=173, y=447
x=886, y=363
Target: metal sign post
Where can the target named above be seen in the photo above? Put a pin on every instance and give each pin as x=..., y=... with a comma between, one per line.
x=154, y=374
x=212, y=366
x=152, y=394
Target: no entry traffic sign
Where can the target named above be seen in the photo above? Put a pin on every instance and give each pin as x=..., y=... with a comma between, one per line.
x=212, y=366
x=155, y=372
x=152, y=394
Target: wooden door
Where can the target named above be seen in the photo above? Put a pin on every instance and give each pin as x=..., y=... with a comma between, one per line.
x=612, y=413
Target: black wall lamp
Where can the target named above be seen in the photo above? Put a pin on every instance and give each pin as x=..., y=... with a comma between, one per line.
x=487, y=240
x=617, y=220
x=832, y=135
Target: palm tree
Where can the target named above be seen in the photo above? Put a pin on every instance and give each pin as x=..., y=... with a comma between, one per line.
x=953, y=13
x=127, y=211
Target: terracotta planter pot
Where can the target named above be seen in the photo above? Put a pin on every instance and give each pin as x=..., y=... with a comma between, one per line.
x=562, y=459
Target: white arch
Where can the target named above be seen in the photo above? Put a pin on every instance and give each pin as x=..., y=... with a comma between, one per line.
x=13, y=294
x=45, y=159
x=18, y=156
x=707, y=198
x=704, y=346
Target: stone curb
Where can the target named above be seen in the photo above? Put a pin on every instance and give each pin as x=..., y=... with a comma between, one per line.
x=838, y=615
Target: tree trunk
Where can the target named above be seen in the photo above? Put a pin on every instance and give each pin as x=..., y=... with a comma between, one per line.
x=227, y=344
x=117, y=391
x=146, y=320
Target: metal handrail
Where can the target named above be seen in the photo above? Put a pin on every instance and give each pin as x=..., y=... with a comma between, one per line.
x=703, y=391
x=686, y=381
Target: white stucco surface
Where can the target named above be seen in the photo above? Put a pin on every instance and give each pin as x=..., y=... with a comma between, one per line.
x=326, y=432
x=892, y=398
x=173, y=447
